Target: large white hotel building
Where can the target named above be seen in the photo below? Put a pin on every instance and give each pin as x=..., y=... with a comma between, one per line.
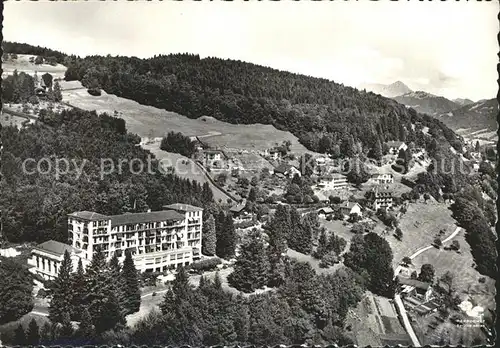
x=157, y=241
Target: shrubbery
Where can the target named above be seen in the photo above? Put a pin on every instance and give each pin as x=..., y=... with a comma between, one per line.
x=206, y=265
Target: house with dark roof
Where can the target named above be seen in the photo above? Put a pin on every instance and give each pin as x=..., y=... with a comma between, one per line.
x=287, y=170
x=415, y=288
x=325, y=212
x=46, y=258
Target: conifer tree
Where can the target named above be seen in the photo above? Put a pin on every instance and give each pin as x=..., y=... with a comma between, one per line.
x=46, y=334
x=57, y=92
x=322, y=248
x=66, y=331
x=209, y=236
x=62, y=292
x=78, y=287
x=86, y=329
x=118, y=283
x=278, y=228
x=251, y=268
x=131, y=280
x=19, y=336
x=33, y=333
x=100, y=298
x=226, y=238
x=377, y=151
x=207, y=195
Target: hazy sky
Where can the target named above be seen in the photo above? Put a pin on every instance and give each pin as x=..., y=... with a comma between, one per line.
x=447, y=48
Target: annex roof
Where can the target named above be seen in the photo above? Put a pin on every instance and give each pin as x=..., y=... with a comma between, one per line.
x=89, y=215
x=55, y=247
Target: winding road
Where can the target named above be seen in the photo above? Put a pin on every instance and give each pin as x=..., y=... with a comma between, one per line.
x=397, y=298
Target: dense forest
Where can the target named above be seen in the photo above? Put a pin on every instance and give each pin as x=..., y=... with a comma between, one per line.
x=321, y=113
x=34, y=202
x=22, y=48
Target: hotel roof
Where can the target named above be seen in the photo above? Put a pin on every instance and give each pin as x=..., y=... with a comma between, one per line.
x=414, y=282
x=55, y=247
x=182, y=207
x=89, y=215
x=137, y=218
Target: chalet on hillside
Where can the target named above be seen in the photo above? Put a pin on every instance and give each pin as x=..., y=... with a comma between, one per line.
x=349, y=208
x=286, y=170
x=212, y=156
x=238, y=210
x=325, y=212
x=396, y=146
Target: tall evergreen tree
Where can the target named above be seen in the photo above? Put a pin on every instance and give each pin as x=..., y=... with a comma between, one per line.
x=207, y=195
x=86, y=329
x=251, y=268
x=33, y=333
x=100, y=298
x=131, y=285
x=66, y=331
x=57, y=92
x=322, y=248
x=377, y=151
x=19, y=336
x=118, y=283
x=62, y=292
x=226, y=238
x=301, y=240
x=209, y=238
x=78, y=287
x=278, y=228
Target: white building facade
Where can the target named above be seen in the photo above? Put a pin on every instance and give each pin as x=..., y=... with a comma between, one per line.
x=157, y=241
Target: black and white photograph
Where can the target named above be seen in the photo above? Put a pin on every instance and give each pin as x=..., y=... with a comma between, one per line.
x=249, y=173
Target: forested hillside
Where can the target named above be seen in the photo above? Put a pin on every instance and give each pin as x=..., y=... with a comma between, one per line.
x=324, y=115
x=34, y=206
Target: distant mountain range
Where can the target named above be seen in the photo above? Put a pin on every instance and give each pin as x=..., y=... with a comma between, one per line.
x=456, y=114
x=427, y=103
x=390, y=91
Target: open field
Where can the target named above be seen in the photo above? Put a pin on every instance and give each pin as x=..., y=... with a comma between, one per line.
x=375, y=322
x=148, y=121
x=420, y=225
x=22, y=64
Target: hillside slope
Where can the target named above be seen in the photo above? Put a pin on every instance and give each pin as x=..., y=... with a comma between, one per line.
x=476, y=116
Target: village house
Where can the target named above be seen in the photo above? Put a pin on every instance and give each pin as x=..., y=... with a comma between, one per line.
x=156, y=240
x=333, y=182
x=286, y=170
x=275, y=154
x=396, y=146
x=381, y=198
x=46, y=258
x=325, y=212
x=211, y=156
x=238, y=211
x=383, y=178
x=422, y=291
x=348, y=208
